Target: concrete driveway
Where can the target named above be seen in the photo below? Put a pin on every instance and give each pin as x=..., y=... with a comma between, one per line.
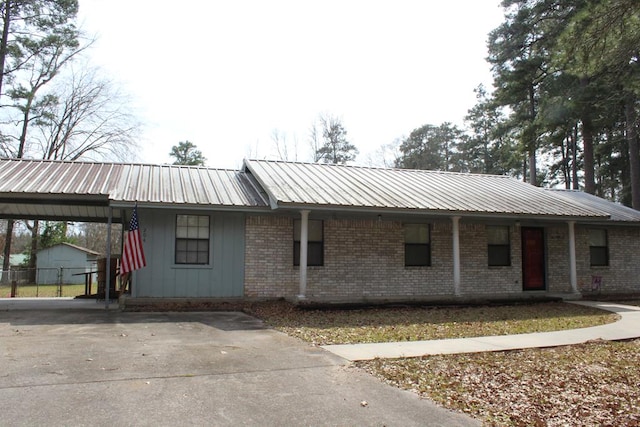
x=78, y=367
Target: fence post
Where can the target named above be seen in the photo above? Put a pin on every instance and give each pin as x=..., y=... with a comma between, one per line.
x=14, y=288
x=60, y=275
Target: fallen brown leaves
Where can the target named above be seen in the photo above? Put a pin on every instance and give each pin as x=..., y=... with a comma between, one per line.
x=596, y=383
x=413, y=323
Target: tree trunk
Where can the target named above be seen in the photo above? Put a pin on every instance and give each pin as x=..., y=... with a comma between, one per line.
x=533, y=174
x=33, y=254
x=7, y=252
x=565, y=151
x=574, y=159
x=4, y=41
x=533, y=179
x=634, y=151
x=587, y=145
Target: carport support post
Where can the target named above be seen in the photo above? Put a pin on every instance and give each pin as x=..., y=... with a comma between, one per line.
x=304, y=240
x=573, y=274
x=456, y=254
x=107, y=285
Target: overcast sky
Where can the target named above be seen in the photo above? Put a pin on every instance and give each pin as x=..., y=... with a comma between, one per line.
x=226, y=74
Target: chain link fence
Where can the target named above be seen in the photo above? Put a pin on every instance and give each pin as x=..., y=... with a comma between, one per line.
x=48, y=282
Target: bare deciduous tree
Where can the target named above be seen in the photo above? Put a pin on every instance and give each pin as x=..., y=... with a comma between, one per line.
x=283, y=147
x=88, y=118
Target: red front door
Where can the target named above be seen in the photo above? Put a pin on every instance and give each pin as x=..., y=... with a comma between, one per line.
x=532, y=259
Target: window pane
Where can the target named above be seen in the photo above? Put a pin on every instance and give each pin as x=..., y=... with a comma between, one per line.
x=315, y=230
x=181, y=245
x=499, y=255
x=599, y=256
x=192, y=233
x=417, y=255
x=192, y=257
x=203, y=232
x=181, y=231
x=181, y=257
x=203, y=258
x=497, y=235
x=203, y=221
x=202, y=245
x=597, y=237
x=297, y=224
x=296, y=253
x=416, y=233
x=181, y=220
x=314, y=254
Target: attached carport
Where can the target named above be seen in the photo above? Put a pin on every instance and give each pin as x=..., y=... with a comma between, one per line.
x=107, y=192
x=60, y=191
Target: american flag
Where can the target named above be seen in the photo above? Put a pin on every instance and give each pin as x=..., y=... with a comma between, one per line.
x=133, y=252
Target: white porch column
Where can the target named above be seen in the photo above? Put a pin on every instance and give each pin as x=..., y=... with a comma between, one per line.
x=573, y=274
x=456, y=255
x=304, y=246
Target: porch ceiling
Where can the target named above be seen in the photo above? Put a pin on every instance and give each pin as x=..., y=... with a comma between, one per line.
x=56, y=207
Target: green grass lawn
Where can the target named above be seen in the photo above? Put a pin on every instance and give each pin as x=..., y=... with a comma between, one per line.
x=43, y=291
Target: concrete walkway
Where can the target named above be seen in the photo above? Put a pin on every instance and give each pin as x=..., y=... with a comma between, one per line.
x=628, y=327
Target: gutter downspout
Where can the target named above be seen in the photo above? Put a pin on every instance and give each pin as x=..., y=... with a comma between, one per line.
x=304, y=244
x=573, y=275
x=456, y=255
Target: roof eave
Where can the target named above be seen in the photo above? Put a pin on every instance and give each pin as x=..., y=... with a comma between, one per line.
x=439, y=213
x=188, y=206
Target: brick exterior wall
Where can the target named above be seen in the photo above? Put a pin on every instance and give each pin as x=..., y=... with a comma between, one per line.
x=622, y=275
x=476, y=276
x=364, y=260
x=269, y=271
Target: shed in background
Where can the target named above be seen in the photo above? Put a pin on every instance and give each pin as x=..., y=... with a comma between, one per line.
x=73, y=260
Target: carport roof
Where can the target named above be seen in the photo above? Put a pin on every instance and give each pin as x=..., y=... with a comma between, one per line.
x=84, y=191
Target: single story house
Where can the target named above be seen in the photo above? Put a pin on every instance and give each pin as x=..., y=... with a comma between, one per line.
x=65, y=263
x=331, y=233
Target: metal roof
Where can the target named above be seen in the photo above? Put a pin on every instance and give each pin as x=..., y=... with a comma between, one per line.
x=71, y=245
x=85, y=191
x=18, y=176
x=46, y=189
x=404, y=190
x=186, y=185
x=617, y=212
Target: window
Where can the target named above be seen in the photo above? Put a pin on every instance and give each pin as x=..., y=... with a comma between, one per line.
x=499, y=245
x=417, y=245
x=192, y=239
x=315, y=246
x=598, y=248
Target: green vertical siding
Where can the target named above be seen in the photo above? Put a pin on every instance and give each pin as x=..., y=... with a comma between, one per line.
x=162, y=278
